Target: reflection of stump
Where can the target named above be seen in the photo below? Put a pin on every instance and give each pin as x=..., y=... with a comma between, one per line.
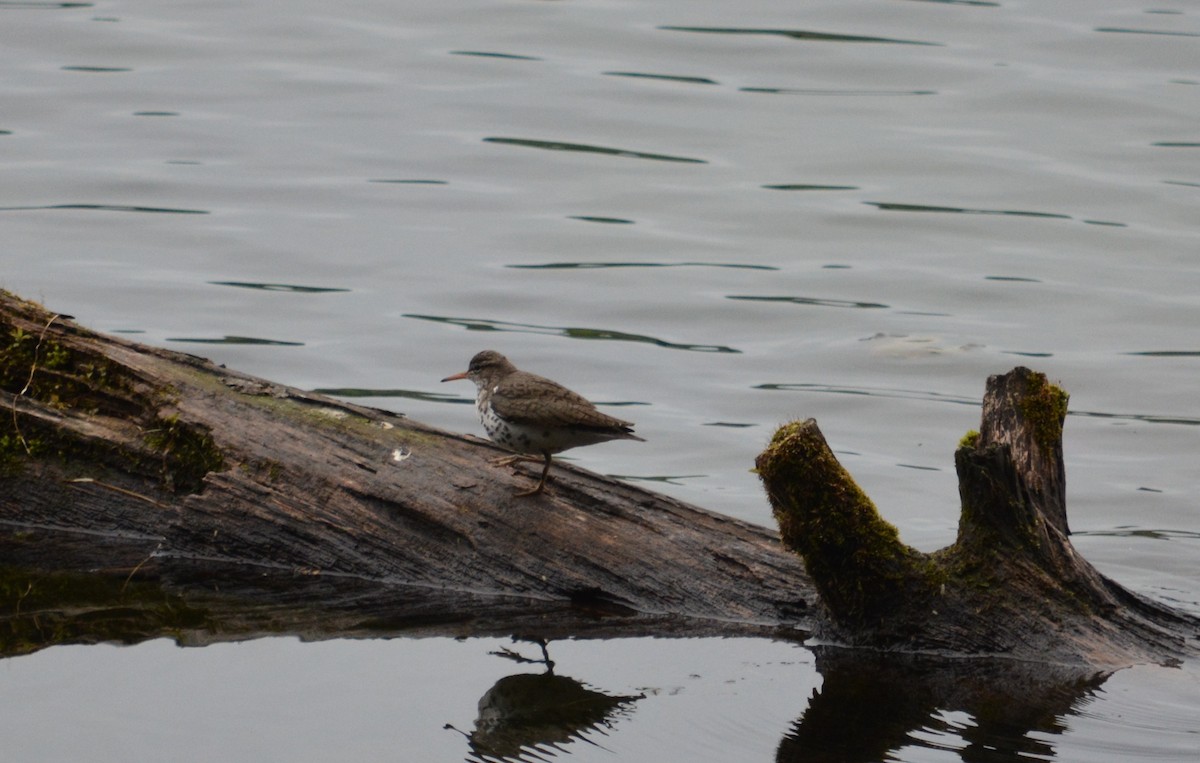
x=871, y=706
x=1011, y=584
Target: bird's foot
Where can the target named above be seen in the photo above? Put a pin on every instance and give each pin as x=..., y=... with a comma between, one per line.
x=510, y=460
x=535, y=490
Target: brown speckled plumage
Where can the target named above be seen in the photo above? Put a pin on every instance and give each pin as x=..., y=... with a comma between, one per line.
x=532, y=415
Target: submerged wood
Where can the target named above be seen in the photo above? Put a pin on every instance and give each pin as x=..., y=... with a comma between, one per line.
x=1012, y=584
x=141, y=463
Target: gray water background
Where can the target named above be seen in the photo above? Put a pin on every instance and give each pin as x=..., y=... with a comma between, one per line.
x=709, y=217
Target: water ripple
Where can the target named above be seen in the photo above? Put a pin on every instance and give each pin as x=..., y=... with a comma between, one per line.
x=795, y=34
x=490, y=54
x=815, y=91
x=571, y=332
x=809, y=187
x=601, y=265
x=110, y=208
x=980, y=3
x=1129, y=531
x=882, y=392
x=667, y=77
x=1158, y=32
x=813, y=301
x=600, y=219
x=895, y=207
x=97, y=69
x=552, y=145
x=942, y=397
x=35, y=5
x=1145, y=418
x=409, y=181
x=235, y=340
x=279, y=287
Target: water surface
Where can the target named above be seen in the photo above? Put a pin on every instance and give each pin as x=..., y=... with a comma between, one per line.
x=716, y=216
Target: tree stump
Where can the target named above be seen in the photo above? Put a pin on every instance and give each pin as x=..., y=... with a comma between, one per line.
x=1011, y=585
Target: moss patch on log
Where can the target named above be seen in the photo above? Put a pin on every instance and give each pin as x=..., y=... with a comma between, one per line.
x=1045, y=407
x=188, y=453
x=858, y=564
x=48, y=373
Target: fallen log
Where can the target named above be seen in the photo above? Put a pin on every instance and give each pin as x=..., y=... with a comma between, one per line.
x=1011, y=585
x=237, y=507
x=145, y=464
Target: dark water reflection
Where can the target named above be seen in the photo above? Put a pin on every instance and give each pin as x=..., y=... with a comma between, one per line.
x=585, y=148
x=109, y=208
x=284, y=287
x=230, y=339
x=794, y=34
x=869, y=705
x=872, y=705
x=532, y=716
x=600, y=265
x=667, y=77
x=869, y=708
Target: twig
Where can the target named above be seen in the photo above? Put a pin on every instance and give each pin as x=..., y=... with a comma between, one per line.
x=138, y=566
x=29, y=383
x=116, y=489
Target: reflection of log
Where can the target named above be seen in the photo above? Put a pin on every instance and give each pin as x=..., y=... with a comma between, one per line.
x=1012, y=584
x=131, y=459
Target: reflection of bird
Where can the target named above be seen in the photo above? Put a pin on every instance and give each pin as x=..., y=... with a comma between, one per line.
x=532, y=415
x=531, y=717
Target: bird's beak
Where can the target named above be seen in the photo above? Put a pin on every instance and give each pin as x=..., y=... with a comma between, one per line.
x=456, y=377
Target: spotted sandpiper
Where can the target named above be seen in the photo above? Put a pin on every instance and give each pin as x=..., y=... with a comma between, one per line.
x=534, y=416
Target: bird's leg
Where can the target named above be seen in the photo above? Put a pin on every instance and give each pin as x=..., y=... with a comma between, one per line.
x=541, y=485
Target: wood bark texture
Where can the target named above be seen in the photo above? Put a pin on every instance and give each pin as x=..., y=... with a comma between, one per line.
x=1012, y=585
x=201, y=502
x=117, y=455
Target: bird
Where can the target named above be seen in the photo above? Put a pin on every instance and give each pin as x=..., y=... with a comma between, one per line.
x=534, y=416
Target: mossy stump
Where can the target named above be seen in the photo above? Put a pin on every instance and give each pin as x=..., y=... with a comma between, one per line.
x=861, y=570
x=1012, y=584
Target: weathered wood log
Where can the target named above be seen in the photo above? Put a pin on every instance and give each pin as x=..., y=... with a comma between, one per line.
x=139, y=461
x=1012, y=584
x=258, y=507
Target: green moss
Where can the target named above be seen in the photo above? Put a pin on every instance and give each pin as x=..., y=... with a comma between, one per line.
x=970, y=439
x=855, y=557
x=1045, y=407
x=40, y=368
x=188, y=453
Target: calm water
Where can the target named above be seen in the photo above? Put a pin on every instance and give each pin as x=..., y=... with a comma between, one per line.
x=750, y=212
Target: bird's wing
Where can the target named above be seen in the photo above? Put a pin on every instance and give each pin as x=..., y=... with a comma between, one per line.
x=536, y=401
